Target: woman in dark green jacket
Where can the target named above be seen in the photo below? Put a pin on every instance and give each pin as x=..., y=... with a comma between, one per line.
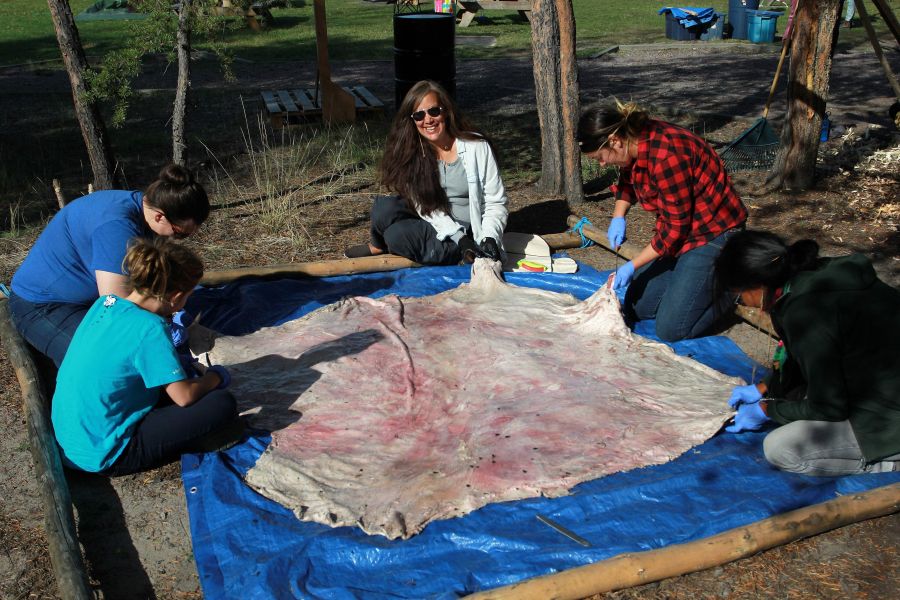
x=836, y=394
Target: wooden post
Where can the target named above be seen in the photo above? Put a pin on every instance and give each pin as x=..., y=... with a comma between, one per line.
x=889, y=17
x=809, y=73
x=870, y=32
x=556, y=87
x=57, y=189
x=628, y=570
x=59, y=521
x=338, y=106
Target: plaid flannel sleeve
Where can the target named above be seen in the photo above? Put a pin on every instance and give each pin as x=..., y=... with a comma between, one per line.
x=672, y=174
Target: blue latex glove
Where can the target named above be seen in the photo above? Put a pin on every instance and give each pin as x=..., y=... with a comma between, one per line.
x=616, y=232
x=222, y=372
x=744, y=394
x=624, y=275
x=749, y=417
x=178, y=327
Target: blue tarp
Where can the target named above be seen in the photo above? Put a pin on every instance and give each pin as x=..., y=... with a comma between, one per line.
x=249, y=547
x=690, y=16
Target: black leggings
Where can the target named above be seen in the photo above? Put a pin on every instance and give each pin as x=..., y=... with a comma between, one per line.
x=169, y=430
x=401, y=231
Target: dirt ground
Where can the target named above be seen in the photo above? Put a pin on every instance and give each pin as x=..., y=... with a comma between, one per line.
x=134, y=530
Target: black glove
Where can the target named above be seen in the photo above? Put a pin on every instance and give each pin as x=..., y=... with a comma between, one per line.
x=468, y=249
x=490, y=249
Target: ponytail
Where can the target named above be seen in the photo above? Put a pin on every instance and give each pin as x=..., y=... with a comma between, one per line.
x=599, y=122
x=752, y=259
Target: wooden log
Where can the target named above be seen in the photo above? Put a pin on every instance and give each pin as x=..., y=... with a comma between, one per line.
x=350, y=266
x=631, y=569
x=753, y=316
x=59, y=521
x=323, y=268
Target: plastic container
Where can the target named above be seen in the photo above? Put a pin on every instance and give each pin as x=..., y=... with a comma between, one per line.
x=445, y=7
x=737, y=17
x=761, y=26
x=715, y=29
x=676, y=31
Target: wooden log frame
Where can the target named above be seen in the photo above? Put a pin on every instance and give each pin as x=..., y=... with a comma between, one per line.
x=59, y=521
x=753, y=316
x=631, y=569
x=619, y=572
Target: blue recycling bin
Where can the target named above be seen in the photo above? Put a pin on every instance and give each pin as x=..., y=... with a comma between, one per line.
x=761, y=26
x=737, y=17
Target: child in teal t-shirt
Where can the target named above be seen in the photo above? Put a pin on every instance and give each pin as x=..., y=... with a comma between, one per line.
x=123, y=402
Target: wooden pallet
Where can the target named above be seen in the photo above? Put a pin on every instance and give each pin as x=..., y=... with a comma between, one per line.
x=291, y=107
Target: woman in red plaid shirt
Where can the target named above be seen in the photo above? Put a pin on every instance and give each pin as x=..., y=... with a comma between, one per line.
x=678, y=176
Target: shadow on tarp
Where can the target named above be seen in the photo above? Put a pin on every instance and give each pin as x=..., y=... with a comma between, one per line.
x=249, y=547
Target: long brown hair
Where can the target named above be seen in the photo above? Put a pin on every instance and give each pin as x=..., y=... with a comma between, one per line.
x=159, y=267
x=409, y=165
x=597, y=123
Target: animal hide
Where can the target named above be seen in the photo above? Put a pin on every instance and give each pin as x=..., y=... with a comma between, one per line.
x=391, y=413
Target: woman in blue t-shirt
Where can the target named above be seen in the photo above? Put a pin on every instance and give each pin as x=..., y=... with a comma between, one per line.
x=78, y=256
x=123, y=402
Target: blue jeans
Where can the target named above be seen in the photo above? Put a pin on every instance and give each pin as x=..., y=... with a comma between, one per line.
x=401, y=231
x=678, y=292
x=49, y=326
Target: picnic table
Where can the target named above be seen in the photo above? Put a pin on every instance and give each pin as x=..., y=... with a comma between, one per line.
x=470, y=8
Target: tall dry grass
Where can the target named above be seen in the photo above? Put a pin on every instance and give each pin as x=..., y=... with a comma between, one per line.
x=273, y=199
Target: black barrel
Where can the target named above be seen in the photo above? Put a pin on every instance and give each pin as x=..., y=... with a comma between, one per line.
x=424, y=48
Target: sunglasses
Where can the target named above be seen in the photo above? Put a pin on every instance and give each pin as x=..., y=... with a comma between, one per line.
x=434, y=111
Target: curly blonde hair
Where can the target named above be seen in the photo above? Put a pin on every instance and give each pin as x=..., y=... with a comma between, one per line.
x=160, y=267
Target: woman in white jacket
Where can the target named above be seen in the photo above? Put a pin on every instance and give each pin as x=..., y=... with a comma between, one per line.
x=449, y=204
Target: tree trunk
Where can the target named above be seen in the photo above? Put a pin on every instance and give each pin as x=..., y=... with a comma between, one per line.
x=811, y=48
x=88, y=114
x=179, y=146
x=556, y=92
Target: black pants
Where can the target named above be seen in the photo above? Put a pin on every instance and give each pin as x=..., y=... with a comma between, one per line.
x=401, y=231
x=169, y=430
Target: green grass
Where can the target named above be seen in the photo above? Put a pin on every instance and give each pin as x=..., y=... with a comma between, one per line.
x=360, y=30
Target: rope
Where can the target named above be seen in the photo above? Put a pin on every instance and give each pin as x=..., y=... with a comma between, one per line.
x=577, y=228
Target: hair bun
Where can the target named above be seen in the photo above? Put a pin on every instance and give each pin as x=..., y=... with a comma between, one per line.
x=176, y=175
